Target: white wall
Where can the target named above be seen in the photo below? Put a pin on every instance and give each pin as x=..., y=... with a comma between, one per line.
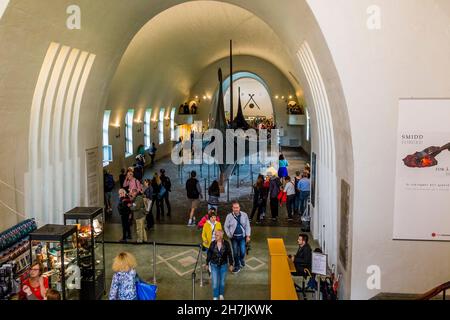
x=407, y=57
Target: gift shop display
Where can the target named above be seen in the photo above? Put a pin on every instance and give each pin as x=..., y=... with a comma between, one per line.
x=90, y=221
x=55, y=246
x=14, y=257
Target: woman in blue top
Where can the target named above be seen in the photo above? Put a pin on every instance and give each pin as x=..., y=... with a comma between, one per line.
x=282, y=167
x=123, y=286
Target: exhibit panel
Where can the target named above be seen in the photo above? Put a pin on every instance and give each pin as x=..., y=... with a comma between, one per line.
x=422, y=185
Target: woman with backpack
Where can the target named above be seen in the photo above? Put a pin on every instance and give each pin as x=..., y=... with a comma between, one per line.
x=148, y=193
x=123, y=285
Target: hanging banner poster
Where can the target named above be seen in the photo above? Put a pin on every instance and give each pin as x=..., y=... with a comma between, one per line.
x=422, y=185
x=92, y=177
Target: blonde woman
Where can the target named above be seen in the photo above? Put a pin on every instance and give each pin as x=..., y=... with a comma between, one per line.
x=123, y=286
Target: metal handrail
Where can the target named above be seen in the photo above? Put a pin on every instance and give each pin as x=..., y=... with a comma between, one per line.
x=435, y=291
x=151, y=242
x=154, y=244
x=194, y=273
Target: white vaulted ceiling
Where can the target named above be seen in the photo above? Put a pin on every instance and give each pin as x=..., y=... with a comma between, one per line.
x=169, y=53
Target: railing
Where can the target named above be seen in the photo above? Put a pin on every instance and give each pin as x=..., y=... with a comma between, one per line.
x=154, y=244
x=194, y=273
x=435, y=292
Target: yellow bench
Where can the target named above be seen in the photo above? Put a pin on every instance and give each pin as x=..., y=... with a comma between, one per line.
x=280, y=268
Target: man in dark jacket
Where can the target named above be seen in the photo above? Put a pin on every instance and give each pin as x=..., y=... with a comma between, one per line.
x=165, y=180
x=194, y=193
x=303, y=257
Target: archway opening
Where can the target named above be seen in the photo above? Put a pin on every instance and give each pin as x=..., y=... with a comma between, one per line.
x=254, y=94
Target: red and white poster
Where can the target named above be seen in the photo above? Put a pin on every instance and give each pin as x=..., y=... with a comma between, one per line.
x=422, y=185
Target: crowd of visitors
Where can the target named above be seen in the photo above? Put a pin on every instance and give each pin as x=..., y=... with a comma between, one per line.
x=137, y=199
x=186, y=109
x=138, y=196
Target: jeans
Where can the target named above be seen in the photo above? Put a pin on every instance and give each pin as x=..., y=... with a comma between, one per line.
x=239, y=249
x=290, y=205
x=159, y=207
x=219, y=275
x=166, y=199
x=304, y=196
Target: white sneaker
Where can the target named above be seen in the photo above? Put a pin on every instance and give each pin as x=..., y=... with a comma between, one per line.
x=215, y=298
x=221, y=297
x=189, y=223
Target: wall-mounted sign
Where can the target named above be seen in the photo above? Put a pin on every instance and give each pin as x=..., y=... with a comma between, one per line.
x=313, y=179
x=422, y=185
x=92, y=177
x=319, y=263
x=297, y=120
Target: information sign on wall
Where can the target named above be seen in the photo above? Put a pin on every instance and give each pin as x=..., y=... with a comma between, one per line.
x=422, y=184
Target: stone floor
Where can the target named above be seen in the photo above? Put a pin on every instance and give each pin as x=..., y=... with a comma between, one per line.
x=177, y=248
x=175, y=263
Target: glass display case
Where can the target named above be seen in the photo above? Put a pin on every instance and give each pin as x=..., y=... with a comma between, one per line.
x=55, y=247
x=90, y=222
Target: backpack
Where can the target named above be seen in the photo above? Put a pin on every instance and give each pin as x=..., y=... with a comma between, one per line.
x=162, y=192
x=109, y=183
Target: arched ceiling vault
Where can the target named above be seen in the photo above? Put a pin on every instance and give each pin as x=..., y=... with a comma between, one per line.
x=170, y=51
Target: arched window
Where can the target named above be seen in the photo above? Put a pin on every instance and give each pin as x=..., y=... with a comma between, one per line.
x=147, y=123
x=107, y=151
x=129, y=133
x=172, y=125
x=161, y=125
